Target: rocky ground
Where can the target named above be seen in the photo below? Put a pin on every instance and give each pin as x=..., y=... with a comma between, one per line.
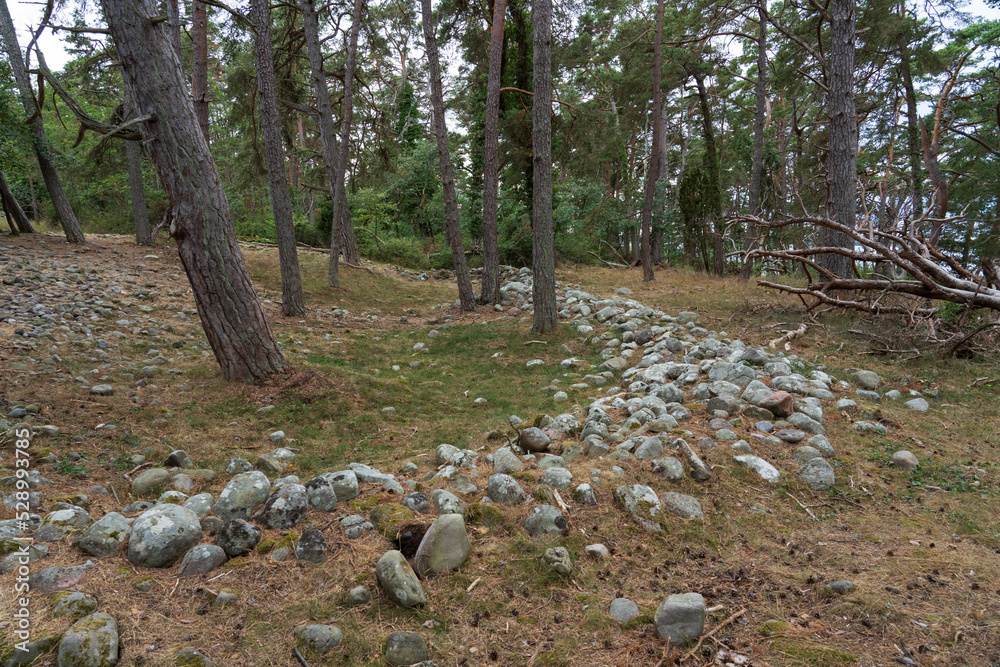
x=632, y=515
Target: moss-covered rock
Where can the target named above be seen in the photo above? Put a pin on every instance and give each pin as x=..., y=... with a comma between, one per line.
x=486, y=515
x=72, y=603
x=388, y=517
x=90, y=642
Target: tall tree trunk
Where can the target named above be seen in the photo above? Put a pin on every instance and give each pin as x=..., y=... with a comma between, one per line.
x=712, y=166
x=199, y=65
x=15, y=214
x=491, y=159
x=34, y=199
x=292, y=302
x=452, y=231
x=757, y=166
x=63, y=209
x=327, y=135
x=543, y=256
x=842, y=160
x=653, y=171
x=140, y=217
x=174, y=21
x=201, y=223
x=348, y=240
x=912, y=134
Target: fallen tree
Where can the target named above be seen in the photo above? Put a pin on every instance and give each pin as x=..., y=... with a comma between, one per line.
x=916, y=267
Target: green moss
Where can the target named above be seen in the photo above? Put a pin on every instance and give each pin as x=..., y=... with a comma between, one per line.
x=388, y=517
x=486, y=515
x=266, y=545
x=543, y=493
x=236, y=563
x=638, y=621
x=813, y=654
x=362, y=505
x=289, y=540
x=773, y=627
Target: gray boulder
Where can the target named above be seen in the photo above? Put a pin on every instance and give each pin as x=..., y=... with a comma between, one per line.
x=150, y=482
x=680, y=618
x=546, y=520
x=681, y=505
x=905, y=460
x=533, y=439
x=557, y=560
x=161, y=535
x=238, y=537
x=62, y=523
x=321, y=494
x=242, y=495
x=765, y=470
x=444, y=547
x=505, y=489
x=285, y=508
x=90, y=642
x=104, y=537
x=623, y=610
x=641, y=502
x=867, y=380
x=398, y=580
x=405, y=648
x=202, y=559
x=817, y=473
x=318, y=638
x=311, y=547
x=345, y=484
x=505, y=461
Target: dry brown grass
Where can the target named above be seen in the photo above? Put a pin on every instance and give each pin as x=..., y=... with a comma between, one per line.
x=924, y=561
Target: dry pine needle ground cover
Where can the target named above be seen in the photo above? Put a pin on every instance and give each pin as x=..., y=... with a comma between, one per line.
x=921, y=548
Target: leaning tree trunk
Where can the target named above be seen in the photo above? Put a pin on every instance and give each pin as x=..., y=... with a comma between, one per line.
x=174, y=21
x=63, y=209
x=292, y=302
x=654, y=155
x=133, y=157
x=757, y=166
x=327, y=135
x=842, y=161
x=490, y=292
x=201, y=223
x=912, y=134
x=452, y=231
x=349, y=242
x=15, y=214
x=543, y=255
x=199, y=65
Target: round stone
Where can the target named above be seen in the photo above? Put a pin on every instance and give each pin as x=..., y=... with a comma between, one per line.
x=161, y=535
x=405, y=648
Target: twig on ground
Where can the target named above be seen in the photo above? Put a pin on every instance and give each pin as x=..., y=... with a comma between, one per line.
x=298, y=656
x=136, y=469
x=808, y=511
x=716, y=629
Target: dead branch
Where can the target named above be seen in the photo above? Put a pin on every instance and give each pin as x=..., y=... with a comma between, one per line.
x=788, y=337
x=612, y=265
x=931, y=274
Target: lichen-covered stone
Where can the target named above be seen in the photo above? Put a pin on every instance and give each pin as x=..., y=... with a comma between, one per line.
x=161, y=535
x=90, y=642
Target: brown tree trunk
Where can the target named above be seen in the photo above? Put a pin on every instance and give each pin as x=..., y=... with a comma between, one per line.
x=543, y=257
x=140, y=217
x=842, y=160
x=653, y=170
x=912, y=135
x=15, y=214
x=757, y=166
x=490, y=292
x=63, y=209
x=201, y=222
x=348, y=240
x=327, y=135
x=174, y=21
x=452, y=231
x=199, y=65
x=292, y=302
x=712, y=166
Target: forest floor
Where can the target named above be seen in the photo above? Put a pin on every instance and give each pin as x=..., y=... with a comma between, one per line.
x=921, y=548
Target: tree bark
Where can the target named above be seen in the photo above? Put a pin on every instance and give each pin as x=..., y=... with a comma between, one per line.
x=348, y=240
x=63, y=209
x=653, y=170
x=327, y=134
x=543, y=259
x=842, y=160
x=292, y=302
x=490, y=292
x=140, y=217
x=757, y=166
x=199, y=65
x=912, y=134
x=201, y=223
x=174, y=21
x=452, y=231
x=712, y=167
x=15, y=214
